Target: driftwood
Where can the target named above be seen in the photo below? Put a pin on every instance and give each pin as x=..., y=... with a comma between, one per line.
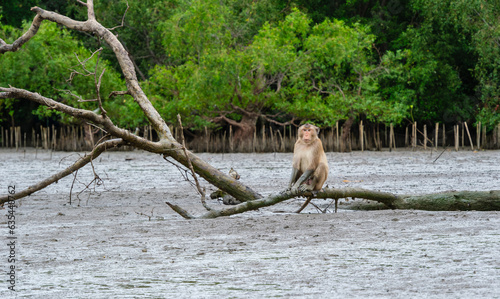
x=446, y=201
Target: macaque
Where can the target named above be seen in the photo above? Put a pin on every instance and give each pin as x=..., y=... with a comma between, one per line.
x=226, y=198
x=234, y=174
x=310, y=167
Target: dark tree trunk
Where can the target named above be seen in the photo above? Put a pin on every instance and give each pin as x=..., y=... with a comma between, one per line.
x=346, y=130
x=244, y=132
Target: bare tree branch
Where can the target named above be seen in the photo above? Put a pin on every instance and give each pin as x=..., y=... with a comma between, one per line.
x=77, y=165
x=190, y=166
x=18, y=43
x=123, y=18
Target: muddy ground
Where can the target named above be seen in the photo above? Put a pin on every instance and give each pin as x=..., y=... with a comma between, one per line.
x=122, y=241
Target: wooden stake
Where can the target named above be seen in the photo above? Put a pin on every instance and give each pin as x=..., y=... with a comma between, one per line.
x=468, y=134
x=385, y=136
x=361, y=134
x=379, y=141
x=338, y=140
x=463, y=136
x=483, y=136
x=11, y=136
x=263, y=145
x=425, y=137
x=224, y=142
x=391, y=137
x=414, y=136
x=436, y=139
x=206, y=139
x=478, y=135
x=456, y=135
x=406, y=137
x=231, y=144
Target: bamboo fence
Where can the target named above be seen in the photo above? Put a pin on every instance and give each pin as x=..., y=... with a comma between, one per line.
x=267, y=138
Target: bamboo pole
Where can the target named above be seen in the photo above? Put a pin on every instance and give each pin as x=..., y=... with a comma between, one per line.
x=385, y=135
x=483, y=135
x=361, y=134
x=11, y=136
x=231, y=144
x=463, y=136
x=436, y=138
x=24, y=145
x=263, y=145
x=54, y=138
x=16, y=139
x=468, y=134
x=379, y=141
x=425, y=137
x=414, y=136
x=36, y=145
x=478, y=135
x=456, y=135
x=338, y=139
x=391, y=136
x=498, y=135
x=206, y=139
x=281, y=147
x=406, y=137
x=224, y=142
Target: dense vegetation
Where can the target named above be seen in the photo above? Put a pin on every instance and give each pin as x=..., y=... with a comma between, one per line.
x=241, y=62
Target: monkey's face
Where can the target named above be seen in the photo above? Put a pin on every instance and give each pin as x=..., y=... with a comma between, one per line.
x=308, y=133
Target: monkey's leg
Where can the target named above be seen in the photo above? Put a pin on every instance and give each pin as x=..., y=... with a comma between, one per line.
x=304, y=205
x=303, y=178
x=293, y=178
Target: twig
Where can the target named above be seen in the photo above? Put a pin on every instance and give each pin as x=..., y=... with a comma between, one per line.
x=200, y=190
x=440, y=154
x=118, y=93
x=149, y=216
x=98, y=88
x=123, y=19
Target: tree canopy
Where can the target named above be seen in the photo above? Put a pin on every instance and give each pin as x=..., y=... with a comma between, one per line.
x=230, y=62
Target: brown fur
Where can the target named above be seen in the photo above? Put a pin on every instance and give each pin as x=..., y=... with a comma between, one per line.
x=308, y=154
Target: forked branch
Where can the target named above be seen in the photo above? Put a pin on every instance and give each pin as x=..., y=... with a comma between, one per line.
x=99, y=149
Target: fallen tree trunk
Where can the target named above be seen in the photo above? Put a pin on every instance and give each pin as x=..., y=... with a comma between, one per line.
x=443, y=201
x=446, y=201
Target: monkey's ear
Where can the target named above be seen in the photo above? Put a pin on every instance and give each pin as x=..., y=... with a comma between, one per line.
x=317, y=131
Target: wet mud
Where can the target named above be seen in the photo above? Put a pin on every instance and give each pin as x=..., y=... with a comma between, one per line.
x=118, y=239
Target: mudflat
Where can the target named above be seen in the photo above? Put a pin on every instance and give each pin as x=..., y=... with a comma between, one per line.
x=118, y=238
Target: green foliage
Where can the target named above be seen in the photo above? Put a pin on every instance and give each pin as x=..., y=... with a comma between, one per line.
x=316, y=60
x=458, y=44
x=323, y=73
x=44, y=65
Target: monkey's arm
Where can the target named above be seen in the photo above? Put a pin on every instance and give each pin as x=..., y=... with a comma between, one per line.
x=303, y=177
x=293, y=178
